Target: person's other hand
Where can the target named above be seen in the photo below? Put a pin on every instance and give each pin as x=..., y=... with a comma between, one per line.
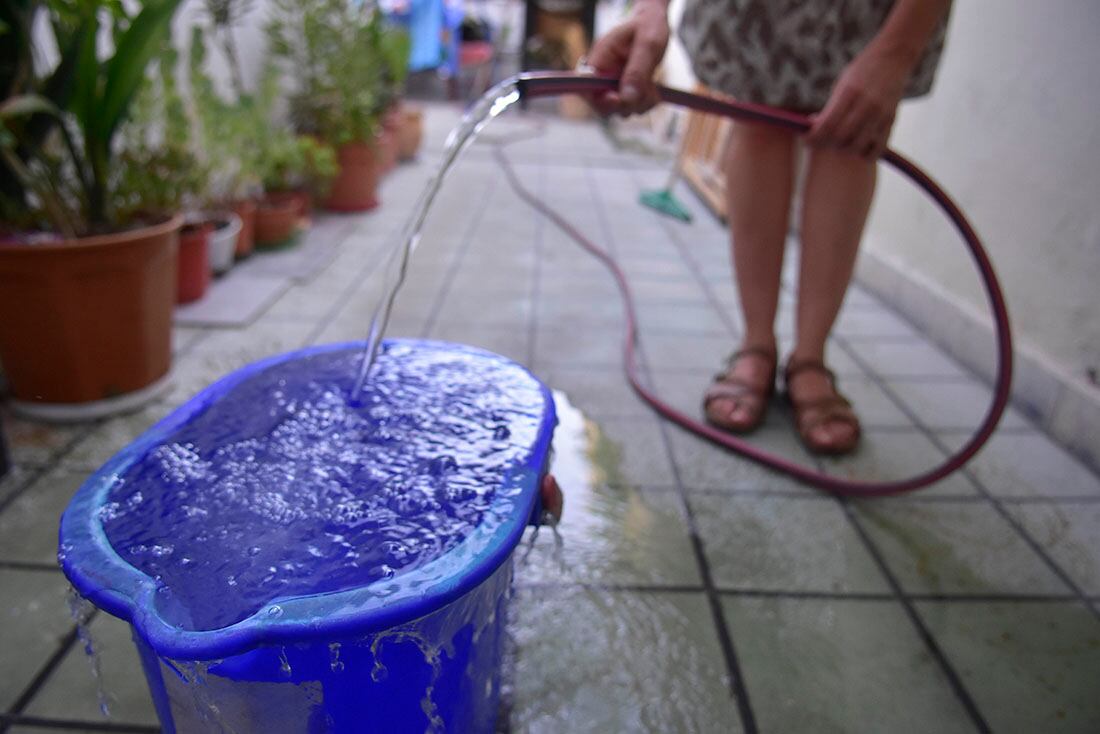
x=860, y=112
x=632, y=50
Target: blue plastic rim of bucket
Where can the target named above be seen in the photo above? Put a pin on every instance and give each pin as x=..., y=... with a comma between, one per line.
x=417, y=652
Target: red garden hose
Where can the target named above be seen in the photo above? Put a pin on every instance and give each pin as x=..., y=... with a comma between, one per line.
x=552, y=83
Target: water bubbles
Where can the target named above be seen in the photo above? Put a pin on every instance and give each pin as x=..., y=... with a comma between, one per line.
x=501, y=433
x=334, y=661
x=274, y=611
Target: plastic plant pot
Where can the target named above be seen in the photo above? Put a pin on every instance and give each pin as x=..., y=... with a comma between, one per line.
x=276, y=221
x=223, y=241
x=354, y=189
x=414, y=648
x=193, y=262
x=246, y=238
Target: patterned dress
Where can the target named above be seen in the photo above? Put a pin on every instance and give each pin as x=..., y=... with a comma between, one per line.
x=788, y=53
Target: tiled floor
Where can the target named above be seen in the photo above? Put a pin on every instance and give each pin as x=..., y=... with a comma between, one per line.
x=692, y=590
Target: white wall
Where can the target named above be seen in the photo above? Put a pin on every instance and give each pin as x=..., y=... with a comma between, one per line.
x=1012, y=130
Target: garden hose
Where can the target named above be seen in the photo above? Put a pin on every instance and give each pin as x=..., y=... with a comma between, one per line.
x=542, y=84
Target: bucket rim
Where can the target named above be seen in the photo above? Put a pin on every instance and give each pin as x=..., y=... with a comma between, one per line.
x=100, y=574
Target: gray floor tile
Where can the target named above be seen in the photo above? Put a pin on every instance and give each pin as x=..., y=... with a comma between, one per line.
x=13, y=480
x=265, y=338
x=631, y=453
x=864, y=323
x=486, y=308
x=600, y=392
x=1069, y=532
x=565, y=680
x=839, y=666
x=671, y=351
x=72, y=691
x=702, y=465
x=955, y=548
x=511, y=342
x=30, y=442
x=112, y=436
x=235, y=299
x=1030, y=667
x=562, y=345
x=28, y=527
x=895, y=455
x=951, y=404
x=35, y=619
x=1029, y=465
x=783, y=544
x=907, y=359
x=681, y=318
x=562, y=311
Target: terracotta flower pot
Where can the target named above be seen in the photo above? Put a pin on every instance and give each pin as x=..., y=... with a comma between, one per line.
x=276, y=221
x=246, y=239
x=223, y=241
x=193, y=262
x=387, y=148
x=88, y=321
x=302, y=199
x=355, y=187
x=409, y=133
x=391, y=126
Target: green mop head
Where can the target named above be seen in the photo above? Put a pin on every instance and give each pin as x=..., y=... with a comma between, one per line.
x=664, y=202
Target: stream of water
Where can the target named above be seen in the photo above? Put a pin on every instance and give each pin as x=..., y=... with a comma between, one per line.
x=489, y=106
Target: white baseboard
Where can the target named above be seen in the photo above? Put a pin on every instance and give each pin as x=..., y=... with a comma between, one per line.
x=1065, y=406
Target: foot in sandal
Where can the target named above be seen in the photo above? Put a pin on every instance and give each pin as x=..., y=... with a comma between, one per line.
x=823, y=417
x=737, y=400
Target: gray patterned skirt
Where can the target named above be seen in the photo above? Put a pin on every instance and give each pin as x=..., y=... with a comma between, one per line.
x=788, y=53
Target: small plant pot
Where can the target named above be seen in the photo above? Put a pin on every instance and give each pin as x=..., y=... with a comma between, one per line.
x=193, y=262
x=410, y=133
x=356, y=184
x=246, y=238
x=276, y=221
x=87, y=325
x=387, y=148
x=223, y=241
x=302, y=199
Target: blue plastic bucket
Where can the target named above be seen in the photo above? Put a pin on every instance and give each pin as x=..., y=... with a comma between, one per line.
x=416, y=650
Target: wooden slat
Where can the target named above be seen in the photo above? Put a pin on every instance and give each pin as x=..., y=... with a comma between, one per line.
x=704, y=150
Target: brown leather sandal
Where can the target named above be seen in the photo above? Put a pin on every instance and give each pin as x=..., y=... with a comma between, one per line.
x=729, y=386
x=809, y=414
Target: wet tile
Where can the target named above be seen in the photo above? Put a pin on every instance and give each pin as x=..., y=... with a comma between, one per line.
x=1030, y=667
x=184, y=337
x=801, y=657
x=872, y=404
x=13, y=480
x=951, y=404
x=955, y=547
x=29, y=525
x=35, y=618
x=895, y=455
x=72, y=691
x=590, y=661
x=631, y=453
x=703, y=465
x=1069, y=532
x=1029, y=465
x=783, y=544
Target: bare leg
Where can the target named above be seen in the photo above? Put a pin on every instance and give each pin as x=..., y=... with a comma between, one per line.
x=837, y=197
x=759, y=179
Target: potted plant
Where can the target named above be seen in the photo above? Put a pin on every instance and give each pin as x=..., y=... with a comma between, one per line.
x=299, y=168
x=87, y=292
x=160, y=172
x=227, y=130
x=333, y=52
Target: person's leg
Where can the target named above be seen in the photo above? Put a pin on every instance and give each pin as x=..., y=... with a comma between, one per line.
x=835, y=203
x=759, y=180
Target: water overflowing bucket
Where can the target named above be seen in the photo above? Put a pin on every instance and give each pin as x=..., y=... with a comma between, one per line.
x=294, y=560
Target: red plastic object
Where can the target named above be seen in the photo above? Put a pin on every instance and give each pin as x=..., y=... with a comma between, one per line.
x=193, y=262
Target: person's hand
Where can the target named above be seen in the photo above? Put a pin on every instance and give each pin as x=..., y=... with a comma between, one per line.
x=632, y=50
x=860, y=112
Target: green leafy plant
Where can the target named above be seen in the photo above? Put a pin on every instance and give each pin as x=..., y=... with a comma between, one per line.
x=298, y=162
x=347, y=67
x=230, y=132
x=59, y=128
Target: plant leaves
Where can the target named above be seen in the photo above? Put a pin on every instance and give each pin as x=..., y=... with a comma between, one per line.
x=126, y=69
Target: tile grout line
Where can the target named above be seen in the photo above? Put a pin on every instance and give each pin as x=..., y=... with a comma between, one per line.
x=993, y=501
x=536, y=275
x=737, y=682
